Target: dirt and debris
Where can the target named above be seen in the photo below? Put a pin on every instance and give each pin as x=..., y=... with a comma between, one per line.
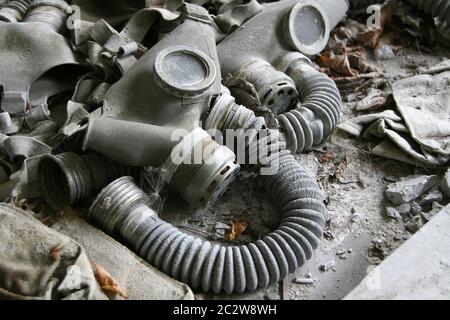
x=393, y=213
x=354, y=180
x=417, y=199
x=410, y=188
x=414, y=224
x=327, y=266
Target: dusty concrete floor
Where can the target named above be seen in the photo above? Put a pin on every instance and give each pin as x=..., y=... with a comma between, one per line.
x=359, y=234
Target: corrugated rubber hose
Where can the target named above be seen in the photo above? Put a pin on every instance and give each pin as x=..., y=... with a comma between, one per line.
x=439, y=10
x=121, y=209
x=20, y=7
x=320, y=108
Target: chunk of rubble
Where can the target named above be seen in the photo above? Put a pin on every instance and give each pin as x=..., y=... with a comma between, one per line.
x=416, y=208
x=427, y=216
x=404, y=209
x=384, y=53
x=445, y=184
x=410, y=188
x=222, y=226
x=305, y=280
x=390, y=179
x=221, y=229
x=414, y=224
x=393, y=213
x=434, y=195
x=327, y=266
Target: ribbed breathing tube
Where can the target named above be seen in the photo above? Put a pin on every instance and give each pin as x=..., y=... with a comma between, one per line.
x=14, y=11
x=124, y=211
x=320, y=108
x=121, y=209
x=439, y=10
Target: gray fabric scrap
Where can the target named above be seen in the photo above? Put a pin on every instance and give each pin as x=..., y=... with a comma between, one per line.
x=418, y=132
x=37, y=263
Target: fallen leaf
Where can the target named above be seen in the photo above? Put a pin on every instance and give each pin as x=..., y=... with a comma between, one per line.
x=237, y=229
x=345, y=174
x=338, y=63
x=370, y=37
x=341, y=169
x=326, y=157
x=56, y=252
x=358, y=61
x=107, y=283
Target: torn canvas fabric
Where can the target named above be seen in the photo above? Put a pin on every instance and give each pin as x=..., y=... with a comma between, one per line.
x=418, y=131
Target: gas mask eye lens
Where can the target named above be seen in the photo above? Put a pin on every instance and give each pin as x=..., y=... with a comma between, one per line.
x=184, y=71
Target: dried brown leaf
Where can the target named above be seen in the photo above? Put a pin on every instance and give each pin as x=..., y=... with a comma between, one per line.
x=370, y=37
x=237, y=229
x=56, y=252
x=107, y=283
x=338, y=63
x=340, y=171
x=326, y=157
x=358, y=61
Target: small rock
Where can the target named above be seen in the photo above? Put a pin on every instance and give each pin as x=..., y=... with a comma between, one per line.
x=426, y=216
x=222, y=226
x=415, y=208
x=431, y=196
x=356, y=216
x=377, y=241
x=384, y=52
x=445, y=184
x=343, y=256
x=437, y=207
x=340, y=252
x=391, y=179
x=414, y=224
x=350, y=250
x=429, y=215
x=305, y=280
x=410, y=188
x=327, y=266
x=404, y=209
x=220, y=232
x=393, y=213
